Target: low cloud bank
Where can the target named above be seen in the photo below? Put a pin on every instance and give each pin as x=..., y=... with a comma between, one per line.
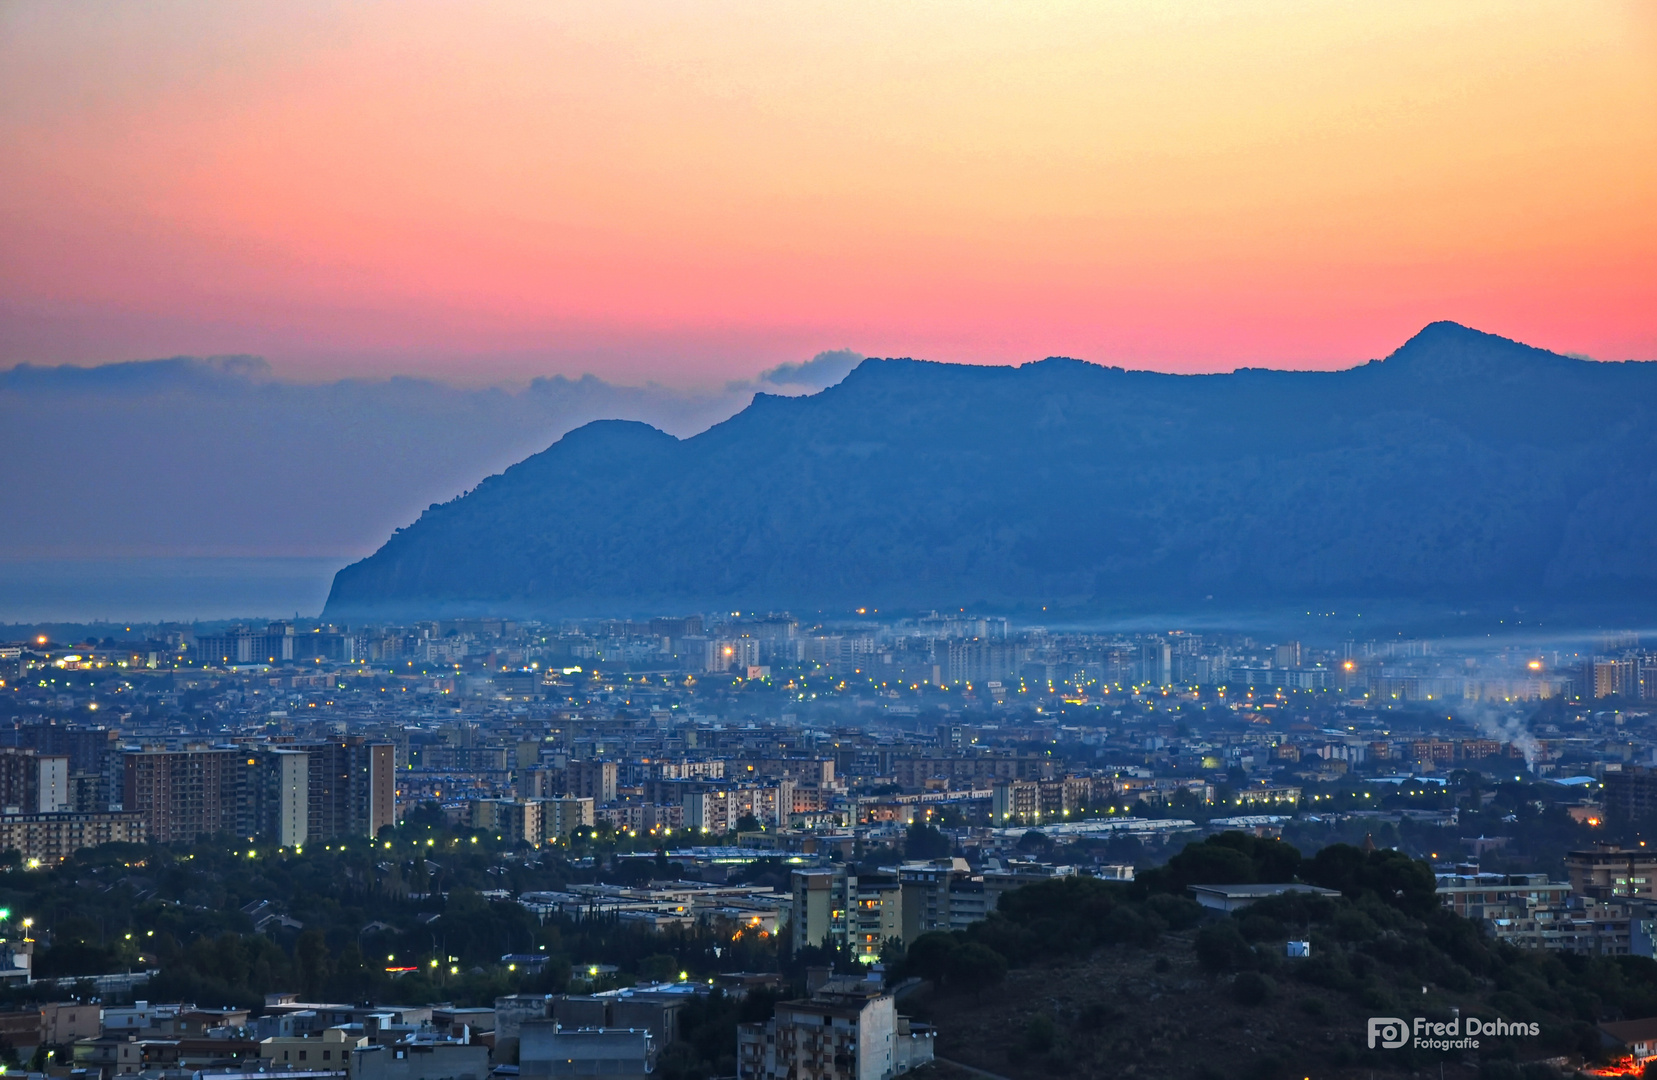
x=216, y=457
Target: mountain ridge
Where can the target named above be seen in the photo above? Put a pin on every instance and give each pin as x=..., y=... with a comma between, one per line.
x=1462, y=465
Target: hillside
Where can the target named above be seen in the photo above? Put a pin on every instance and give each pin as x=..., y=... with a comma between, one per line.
x=1108, y=981
x=1462, y=467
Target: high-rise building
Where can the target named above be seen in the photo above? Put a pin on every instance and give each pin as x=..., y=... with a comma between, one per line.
x=978, y=660
x=293, y=794
x=1604, y=677
x=1630, y=794
x=243, y=645
x=560, y=817
x=730, y=654
x=538, y=782
x=594, y=780
x=822, y=906
x=353, y=787
x=183, y=794
x=1610, y=873
x=33, y=783
x=291, y=778
x=877, y=915
x=1156, y=663
x=88, y=748
x=94, y=759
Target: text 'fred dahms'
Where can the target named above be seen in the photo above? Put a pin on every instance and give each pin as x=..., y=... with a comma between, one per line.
x=1390, y=1032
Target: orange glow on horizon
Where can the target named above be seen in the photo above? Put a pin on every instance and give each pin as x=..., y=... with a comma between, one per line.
x=690, y=194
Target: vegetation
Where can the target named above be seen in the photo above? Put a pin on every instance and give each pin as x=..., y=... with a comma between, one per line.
x=403, y=919
x=1060, y=979
x=1093, y=954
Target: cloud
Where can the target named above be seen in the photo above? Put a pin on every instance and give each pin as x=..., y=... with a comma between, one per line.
x=214, y=456
x=820, y=372
x=189, y=372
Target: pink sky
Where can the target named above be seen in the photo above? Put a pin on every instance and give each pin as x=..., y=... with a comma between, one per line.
x=690, y=192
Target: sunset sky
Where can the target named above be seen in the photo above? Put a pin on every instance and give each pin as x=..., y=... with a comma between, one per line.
x=691, y=192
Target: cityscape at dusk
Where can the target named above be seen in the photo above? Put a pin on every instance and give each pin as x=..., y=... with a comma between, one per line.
x=828, y=542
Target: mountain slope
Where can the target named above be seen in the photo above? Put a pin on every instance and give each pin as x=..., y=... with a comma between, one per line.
x=1462, y=466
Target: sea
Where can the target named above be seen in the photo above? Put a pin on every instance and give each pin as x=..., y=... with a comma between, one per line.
x=176, y=589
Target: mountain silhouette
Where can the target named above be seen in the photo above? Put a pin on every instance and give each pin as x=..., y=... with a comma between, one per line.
x=1464, y=466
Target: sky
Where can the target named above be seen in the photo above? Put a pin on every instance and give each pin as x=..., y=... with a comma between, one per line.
x=687, y=194
x=219, y=458
x=188, y=488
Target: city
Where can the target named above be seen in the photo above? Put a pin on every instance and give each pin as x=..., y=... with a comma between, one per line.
x=828, y=541
x=824, y=795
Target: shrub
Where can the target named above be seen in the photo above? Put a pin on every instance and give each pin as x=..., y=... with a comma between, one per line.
x=1263, y=928
x=929, y=957
x=1179, y=912
x=1354, y=925
x=1252, y=988
x=1039, y=1034
x=976, y=966
x=1220, y=947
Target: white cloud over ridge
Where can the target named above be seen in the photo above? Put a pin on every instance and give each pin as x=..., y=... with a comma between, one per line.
x=820, y=372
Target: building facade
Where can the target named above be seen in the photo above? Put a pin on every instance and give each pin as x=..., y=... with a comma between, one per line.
x=847, y=1030
x=182, y=795
x=42, y=839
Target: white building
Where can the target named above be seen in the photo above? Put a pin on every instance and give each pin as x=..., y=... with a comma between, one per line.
x=293, y=797
x=847, y=1030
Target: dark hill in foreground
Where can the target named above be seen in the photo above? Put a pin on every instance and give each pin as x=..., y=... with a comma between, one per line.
x=1463, y=467
x=1104, y=980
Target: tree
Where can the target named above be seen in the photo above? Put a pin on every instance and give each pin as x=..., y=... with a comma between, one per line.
x=352, y=978
x=924, y=842
x=429, y=814
x=1397, y=879
x=659, y=968
x=1220, y=947
x=1229, y=858
x=1035, y=842
x=312, y=963
x=977, y=966
x=928, y=957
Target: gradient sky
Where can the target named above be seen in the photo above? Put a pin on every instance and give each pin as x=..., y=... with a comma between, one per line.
x=690, y=192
